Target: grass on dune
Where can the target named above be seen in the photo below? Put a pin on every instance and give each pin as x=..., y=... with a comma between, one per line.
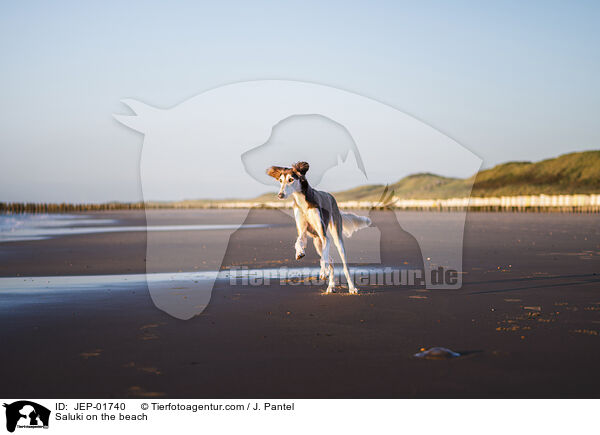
x=567, y=174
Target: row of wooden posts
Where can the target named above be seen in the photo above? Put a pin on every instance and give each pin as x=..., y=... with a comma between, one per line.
x=522, y=203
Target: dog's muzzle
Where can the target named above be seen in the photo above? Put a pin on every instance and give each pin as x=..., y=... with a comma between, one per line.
x=280, y=195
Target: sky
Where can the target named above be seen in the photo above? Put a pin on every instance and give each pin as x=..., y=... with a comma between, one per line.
x=507, y=80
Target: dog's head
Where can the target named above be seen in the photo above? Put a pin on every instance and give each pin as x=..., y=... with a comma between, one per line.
x=290, y=179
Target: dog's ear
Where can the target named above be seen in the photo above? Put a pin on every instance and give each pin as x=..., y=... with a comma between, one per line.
x=275, y=172
x=301, y=167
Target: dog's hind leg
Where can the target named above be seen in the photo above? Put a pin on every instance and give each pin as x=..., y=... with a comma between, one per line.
x=320, y=228
x=336, y=234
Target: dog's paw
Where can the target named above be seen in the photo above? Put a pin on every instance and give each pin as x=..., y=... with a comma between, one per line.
x=353, y=290
x=328, y=291
x=300, y=255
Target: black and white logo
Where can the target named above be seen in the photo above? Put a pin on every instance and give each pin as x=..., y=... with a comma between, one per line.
x=26, y=414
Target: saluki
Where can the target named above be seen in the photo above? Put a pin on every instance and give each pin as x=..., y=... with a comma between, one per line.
x=317, y=212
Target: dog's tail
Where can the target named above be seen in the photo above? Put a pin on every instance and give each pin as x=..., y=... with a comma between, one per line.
x=352, y=223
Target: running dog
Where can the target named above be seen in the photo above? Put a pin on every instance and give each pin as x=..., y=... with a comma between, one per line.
x=317, y=212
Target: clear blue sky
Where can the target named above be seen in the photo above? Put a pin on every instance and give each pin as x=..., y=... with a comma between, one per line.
x=509, y=80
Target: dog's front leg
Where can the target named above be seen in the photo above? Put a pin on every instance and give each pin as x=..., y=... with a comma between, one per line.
x=300, y=246
x=301, y=226
x=327, y=264
x=319, y=248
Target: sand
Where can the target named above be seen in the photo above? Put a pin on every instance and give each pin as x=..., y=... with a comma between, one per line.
x=526, y=320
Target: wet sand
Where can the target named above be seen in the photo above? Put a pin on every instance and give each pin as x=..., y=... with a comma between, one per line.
x=526, y=320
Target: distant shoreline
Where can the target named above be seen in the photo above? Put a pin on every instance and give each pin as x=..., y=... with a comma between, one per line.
x=584, y=203
x=569, y=184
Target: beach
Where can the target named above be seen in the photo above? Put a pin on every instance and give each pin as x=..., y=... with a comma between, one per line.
x=526, y=320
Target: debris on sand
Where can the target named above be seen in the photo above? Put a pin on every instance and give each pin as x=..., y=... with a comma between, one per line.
x=91, y=354
x=436, y=353
x=586, y=331
x=533, y=308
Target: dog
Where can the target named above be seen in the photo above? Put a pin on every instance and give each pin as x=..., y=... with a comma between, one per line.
x=317, y=215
